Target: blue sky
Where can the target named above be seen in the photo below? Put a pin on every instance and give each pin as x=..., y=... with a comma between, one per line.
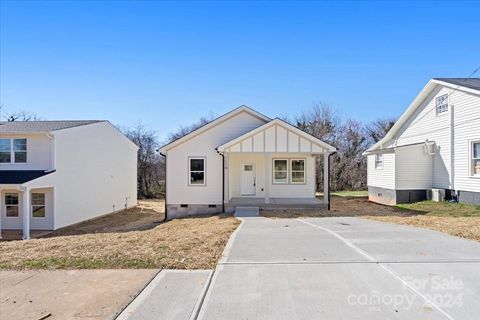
x=168, y=63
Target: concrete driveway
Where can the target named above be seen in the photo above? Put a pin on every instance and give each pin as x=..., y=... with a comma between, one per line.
x=343, y=268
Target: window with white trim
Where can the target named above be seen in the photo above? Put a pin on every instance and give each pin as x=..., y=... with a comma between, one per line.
x=476, y=158
x=441, y=103
x=297, y=174
x=379, y=161
x=11, y=205
x=38, y=205
x=280, y=171
x=196, y=171
x=13, y=150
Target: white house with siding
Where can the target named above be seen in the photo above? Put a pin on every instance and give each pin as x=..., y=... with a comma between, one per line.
x=57, y=173
x=243, y=158
x=435, y=144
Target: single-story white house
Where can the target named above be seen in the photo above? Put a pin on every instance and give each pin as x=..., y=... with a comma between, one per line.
x=243, y=158
x=433, y=150
x=57, y=173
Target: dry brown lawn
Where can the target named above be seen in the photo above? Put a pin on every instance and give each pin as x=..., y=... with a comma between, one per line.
x=453, y=218
x=342, y=207
x=134, y=238
x=465, y=227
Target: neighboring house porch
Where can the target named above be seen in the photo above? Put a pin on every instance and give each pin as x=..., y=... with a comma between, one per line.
x=25, y=206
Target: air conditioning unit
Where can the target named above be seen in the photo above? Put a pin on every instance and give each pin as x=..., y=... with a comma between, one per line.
x=438, y=195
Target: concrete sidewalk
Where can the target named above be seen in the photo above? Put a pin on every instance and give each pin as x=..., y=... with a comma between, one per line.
x=343, y=268
x=173, y=295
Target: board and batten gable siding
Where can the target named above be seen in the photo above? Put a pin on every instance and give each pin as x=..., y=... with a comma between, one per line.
x=96, y=173
x=203, y=145
x=414, y=168
x=39, y=152
x=466, y=110
x=381, y=177
x=426, y=124
x=275, y=138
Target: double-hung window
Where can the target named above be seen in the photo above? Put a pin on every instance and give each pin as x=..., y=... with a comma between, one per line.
x=476, y=158
x=297, y=171
x=13, y=150
x=441, y=104
x=196, y=171
x=280, y=171
x=38, y=205
x=11, y=205
x=379, y=161
x=288, y=171
x=5, y=151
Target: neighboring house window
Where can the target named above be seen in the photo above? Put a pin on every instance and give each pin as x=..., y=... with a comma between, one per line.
x=197, y=171
x=379, y=161
x=13, y=150
x=476, y=158
x=5, y=151
x=11, y=205
x=297, y=171
x=20, y=150
x=38, y=205
x=441, y=104
x=280, y=171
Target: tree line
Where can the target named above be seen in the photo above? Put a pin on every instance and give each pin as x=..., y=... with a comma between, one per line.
x=348, y=169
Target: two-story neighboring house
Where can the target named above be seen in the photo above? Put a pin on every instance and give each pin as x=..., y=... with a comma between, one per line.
x=57, y=173
x=435, y=144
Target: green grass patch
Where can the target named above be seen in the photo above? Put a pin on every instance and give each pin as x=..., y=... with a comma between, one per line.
x=443, y=209
x=78, y=263
x=362, y=193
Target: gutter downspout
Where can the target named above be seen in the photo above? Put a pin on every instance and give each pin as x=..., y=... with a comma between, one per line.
x=165, y=203
x=329, y=184
x=223, y=179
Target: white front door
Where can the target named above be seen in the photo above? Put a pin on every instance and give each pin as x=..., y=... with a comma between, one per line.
x=247, y=181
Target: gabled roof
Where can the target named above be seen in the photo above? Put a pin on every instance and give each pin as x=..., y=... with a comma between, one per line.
x=472, y=83
x=21, y=176
x=465, y=84
x=41, y=126
x=285, y=125
x=213, y=123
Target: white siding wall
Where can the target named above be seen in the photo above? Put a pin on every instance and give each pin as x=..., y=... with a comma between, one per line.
x=466, y=110
x=426, y=124
x=381, y=177
x=203, y=145
x=414, y=168
x=306, y=190
x=96, y=171
x=39, y=153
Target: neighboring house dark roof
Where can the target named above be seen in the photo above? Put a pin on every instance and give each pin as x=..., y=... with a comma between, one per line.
x=20, y=176
x=41, y=126
x=472, y=83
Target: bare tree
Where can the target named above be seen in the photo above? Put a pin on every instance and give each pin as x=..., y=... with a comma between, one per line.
x=150, y=165
x=377, y=129
x=21, y=115
x=184, y=130
x=348, y=168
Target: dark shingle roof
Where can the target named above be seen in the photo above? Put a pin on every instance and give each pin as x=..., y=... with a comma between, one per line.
x=472, y=83
x=41, y=126
x=20, y=176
